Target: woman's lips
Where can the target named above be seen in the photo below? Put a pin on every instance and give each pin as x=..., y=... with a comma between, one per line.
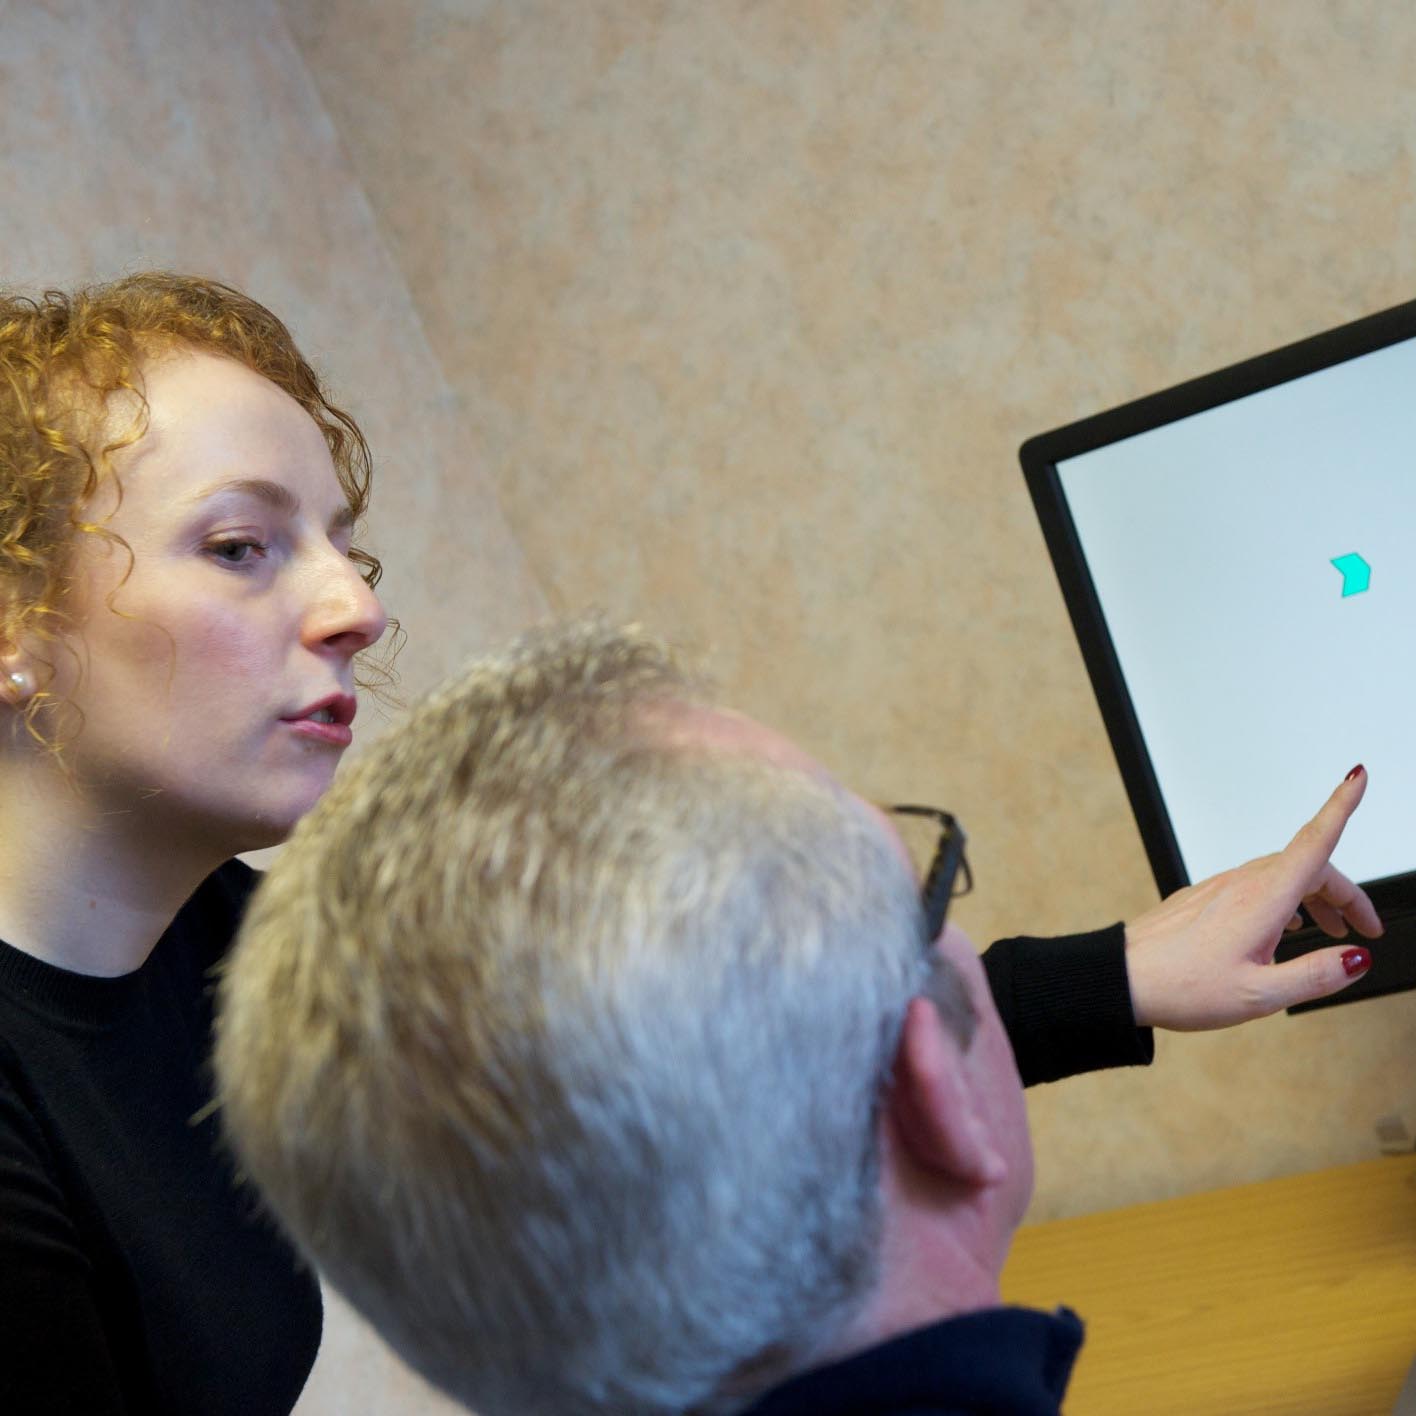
x=335, y=734
x=339, y=707
x=326, y=720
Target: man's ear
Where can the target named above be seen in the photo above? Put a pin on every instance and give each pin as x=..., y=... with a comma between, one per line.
x=939, y=1116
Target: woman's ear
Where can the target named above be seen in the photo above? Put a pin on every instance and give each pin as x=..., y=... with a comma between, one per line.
x=18, y=681
x=941, y=1120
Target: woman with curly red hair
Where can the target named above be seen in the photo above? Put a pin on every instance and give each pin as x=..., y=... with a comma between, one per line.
x=181, y=610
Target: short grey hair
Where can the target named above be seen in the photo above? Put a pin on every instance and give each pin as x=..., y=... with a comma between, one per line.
x=559, y=1044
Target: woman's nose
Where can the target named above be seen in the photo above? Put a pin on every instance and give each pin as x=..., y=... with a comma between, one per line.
x=344, y=613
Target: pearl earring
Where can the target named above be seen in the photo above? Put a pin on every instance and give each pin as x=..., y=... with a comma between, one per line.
x=21, y=685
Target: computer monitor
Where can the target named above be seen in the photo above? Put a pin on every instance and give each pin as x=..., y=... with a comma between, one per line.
x=1238, y=556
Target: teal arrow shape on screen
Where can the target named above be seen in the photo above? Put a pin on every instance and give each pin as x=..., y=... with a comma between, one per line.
x=1356, y=573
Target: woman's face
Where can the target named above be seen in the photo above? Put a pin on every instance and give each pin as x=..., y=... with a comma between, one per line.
x=216, y=680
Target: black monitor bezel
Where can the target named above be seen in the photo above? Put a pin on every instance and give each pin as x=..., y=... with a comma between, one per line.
x=1040, y=457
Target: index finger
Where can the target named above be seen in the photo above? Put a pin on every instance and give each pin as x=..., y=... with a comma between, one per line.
x=1307, y=854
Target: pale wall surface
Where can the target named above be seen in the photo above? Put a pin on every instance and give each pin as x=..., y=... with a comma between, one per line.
x=750, y=306
x=186, y=134
x=139, y=133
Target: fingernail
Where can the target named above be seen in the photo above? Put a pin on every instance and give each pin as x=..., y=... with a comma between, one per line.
x=1356, y=961
x=1355, y=772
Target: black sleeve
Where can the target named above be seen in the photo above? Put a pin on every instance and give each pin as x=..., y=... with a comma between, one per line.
x=54, y=1357
x=1066, y=1004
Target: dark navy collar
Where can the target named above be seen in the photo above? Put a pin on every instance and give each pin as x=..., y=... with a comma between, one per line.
x=1013, y=1360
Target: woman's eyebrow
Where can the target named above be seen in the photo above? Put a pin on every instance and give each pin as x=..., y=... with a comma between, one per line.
x=274, y=494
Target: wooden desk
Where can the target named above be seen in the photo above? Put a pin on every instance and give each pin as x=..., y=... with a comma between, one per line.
x=1296, y=1297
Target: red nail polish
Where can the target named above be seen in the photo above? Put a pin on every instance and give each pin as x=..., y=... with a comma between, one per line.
x=1356, y=961
x=1355, y=772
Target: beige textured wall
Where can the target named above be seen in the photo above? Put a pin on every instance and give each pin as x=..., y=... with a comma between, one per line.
x=750, y=306
x=138, y=133
x=187, y=134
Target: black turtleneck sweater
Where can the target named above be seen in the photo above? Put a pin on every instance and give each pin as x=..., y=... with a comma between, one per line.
x=136, y=1275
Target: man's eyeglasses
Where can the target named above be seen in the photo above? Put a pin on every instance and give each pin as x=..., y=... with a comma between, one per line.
x=948, y=875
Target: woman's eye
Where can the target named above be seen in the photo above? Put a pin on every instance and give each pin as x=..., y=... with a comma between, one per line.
x=237, y=552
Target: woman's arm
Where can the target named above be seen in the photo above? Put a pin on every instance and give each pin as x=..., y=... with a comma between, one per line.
x=1201, y=959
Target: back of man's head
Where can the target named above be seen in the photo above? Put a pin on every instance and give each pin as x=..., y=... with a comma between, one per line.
x=558, y=1033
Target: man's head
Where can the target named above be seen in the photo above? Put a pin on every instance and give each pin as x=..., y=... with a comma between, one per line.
x=562, y=1038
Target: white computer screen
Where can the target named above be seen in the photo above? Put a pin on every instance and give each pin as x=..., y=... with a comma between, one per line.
x=1256, y=680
